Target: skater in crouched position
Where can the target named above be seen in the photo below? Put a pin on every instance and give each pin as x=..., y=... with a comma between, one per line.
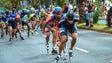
x=67, y=24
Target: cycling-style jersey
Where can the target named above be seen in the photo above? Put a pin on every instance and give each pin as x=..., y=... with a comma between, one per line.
x=1, y=20
x=65, y=26
x=25, y=18
x=4, y=18
x=76, y=17
x=11, y=19
x=13, y=15
x=32, y=17
x=42, y=12
x=23, y=14
x=53, y=20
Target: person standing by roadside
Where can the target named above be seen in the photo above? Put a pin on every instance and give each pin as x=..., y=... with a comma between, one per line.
x=90, y=14
x=65, y=8
x=86, y=15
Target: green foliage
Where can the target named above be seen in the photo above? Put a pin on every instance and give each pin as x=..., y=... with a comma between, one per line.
x=96, y=16
x=111, y=1
x=34, y=3
x=46, y=2
x=98, y=12
x=60, y=2
x=5, y=4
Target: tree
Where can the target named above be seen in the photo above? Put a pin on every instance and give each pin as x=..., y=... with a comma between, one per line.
x=60, y=2
x=6, y=4
x=35, y=3
x=80, y=6
x=15, y=3
x=80, y=1
x=111, y=1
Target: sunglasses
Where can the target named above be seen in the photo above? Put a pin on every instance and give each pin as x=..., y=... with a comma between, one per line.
x=70, y=19
x=57, y=13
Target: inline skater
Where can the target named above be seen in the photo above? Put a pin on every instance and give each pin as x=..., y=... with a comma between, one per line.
x=65, y=25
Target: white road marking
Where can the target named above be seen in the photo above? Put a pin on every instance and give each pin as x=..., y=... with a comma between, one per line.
x=80, y=49
x=110, y=61
x=36, y=32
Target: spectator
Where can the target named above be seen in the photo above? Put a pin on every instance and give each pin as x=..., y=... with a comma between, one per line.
x=104, y=11
x=70, y=7
x=86, y=15
x=109, y=17
x=74, y=8
x=91, y=8
x=52, y=6
x=65, y=8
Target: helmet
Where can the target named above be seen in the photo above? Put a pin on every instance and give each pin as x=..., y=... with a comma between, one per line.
x=27, y=12
x=70, y=15
x=13, y=10
x=32, y=9
x=48, y=9
x=17, y=16
x=7, y=12
x=13, y=15
x=24, y=9
x=58, y=9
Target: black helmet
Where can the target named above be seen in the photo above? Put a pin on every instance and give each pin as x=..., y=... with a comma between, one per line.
x=13, y=10
x=7, y=12
x=70, y=15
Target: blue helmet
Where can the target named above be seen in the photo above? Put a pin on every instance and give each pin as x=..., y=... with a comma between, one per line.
x=13, y=15
x=58, y=9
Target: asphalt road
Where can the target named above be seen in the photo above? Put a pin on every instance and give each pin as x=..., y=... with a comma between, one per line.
x=91, y=47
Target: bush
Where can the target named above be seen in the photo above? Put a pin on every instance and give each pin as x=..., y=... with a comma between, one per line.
x=96, y=16
x=60, y=2
x=98, y=12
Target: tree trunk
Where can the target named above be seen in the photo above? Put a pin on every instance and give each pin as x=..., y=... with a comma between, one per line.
x=15, y=3
x=80, y=6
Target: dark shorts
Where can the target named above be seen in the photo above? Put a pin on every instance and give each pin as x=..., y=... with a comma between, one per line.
x=47, y=28
x=65, y=30
x=32, y=19
x=12, y=24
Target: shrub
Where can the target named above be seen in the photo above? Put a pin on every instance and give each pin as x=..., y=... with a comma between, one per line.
x=96, y=16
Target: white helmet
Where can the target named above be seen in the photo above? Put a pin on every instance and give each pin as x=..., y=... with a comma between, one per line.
x=32, y=9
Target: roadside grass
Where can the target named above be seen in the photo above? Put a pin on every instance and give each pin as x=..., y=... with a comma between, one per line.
x=97, y=26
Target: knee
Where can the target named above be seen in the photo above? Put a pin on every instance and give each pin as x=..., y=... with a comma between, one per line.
x=74, y=36
x=64, y=41
x=47, y=37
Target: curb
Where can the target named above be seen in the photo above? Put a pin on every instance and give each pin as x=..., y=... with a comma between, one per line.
x=98, y=30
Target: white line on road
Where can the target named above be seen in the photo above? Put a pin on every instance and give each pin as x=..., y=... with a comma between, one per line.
x=80, y=49
x=111, y=61
x=36, y=32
